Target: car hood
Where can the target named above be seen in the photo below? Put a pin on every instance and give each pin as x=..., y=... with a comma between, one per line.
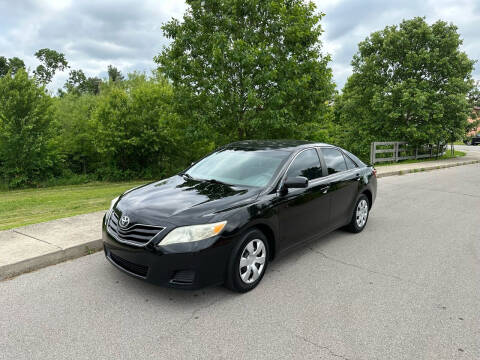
x=180, y=201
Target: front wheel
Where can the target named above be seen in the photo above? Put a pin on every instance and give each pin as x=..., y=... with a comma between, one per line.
x=248, y=262
x=360, y=215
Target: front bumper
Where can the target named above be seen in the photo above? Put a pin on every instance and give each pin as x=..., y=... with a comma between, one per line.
x=181, y=270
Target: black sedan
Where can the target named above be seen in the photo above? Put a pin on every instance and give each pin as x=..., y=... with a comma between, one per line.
x=475, y=139
x=227, y=216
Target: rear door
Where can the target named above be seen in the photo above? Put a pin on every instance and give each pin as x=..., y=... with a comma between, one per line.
x=303, y=213
x=343, y=176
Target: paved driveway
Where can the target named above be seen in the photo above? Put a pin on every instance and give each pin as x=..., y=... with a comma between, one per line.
x=408, y=287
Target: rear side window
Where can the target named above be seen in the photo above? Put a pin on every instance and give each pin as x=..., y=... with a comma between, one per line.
x=306, y=164
x=350, y=163
x=359, y=162
x=334, y=160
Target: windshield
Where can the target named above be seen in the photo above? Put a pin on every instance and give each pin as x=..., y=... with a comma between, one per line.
x=239, y=167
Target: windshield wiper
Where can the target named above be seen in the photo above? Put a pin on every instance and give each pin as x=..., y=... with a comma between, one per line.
x=185, y=175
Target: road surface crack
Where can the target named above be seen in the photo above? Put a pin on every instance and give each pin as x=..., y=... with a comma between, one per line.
x=364, y=268
x=323, y=347
x=33, y=237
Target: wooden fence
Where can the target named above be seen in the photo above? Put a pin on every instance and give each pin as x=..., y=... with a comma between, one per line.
x=400, y=150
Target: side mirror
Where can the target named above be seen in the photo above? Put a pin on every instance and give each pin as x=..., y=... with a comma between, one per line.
x=296, y=182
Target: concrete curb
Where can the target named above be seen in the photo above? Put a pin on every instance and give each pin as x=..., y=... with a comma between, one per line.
x=426, y=168
x=91, y=246
x=52, y=258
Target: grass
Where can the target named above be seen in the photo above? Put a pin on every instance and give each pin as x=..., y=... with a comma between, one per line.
x=447, y=155
x=30, y=206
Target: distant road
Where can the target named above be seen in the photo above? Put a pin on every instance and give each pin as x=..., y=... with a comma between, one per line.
x=408, y=287
x=467, y=148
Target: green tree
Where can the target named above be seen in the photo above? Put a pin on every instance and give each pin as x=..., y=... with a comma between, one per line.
x=474, y=123
x=75, y=81
x=247, y=68
x=114, y=75
x=92, y=85
x=75, y=132
x=3, y=66
x=134, y=124
x=51, y=61
x=474, y=95
x=15, y=64
x=11, y=65
x=410, y=82
x=78, y=83
x=25, y=115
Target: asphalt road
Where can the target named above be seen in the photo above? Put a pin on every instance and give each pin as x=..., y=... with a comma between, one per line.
x=408, y=287
x=468, y=148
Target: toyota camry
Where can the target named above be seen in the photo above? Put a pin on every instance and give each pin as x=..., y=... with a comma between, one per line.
x=227, y=216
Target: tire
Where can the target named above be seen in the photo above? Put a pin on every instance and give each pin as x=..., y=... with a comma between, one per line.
x=360, y=215
x=252, y=249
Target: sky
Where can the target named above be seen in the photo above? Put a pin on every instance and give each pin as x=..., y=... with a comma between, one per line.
x=127, y=34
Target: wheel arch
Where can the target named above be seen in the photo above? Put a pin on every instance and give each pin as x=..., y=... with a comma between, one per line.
x=270, y=235
x=368, y=194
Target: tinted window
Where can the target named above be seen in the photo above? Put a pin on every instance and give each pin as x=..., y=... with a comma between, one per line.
x=334, y=160
x=350, y=163
x=359, y=162
x=239, y=167
x=306, y=164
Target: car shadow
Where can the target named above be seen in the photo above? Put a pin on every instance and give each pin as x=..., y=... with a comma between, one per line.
x=297, y=252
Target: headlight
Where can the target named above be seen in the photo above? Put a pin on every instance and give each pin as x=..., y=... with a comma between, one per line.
x=186, y=234
x=109, y=212
x=113, y=202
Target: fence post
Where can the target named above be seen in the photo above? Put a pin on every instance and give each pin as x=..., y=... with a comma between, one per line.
x=395, y=152
x=372, y=153
x=416, y=152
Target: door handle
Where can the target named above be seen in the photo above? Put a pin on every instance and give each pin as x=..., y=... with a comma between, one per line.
x=325, y=189
x=357, y=177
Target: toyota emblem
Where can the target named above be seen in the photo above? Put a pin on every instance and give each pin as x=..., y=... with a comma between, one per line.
x=124, y=221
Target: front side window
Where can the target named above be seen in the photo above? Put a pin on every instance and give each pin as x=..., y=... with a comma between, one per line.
x=240, y=167
x=334, y=160
x=306, y=164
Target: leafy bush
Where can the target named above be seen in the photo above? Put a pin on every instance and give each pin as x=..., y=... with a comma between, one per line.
x=26, y=154
x=75, y=133
x=135, y=127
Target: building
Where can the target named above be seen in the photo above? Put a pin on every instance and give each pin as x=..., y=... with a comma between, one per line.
x=476, y=109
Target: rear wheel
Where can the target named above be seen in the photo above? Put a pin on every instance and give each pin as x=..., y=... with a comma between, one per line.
x=360, y=215
x=248, y=262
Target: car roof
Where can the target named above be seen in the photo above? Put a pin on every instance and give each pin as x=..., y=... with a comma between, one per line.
x=288, y=145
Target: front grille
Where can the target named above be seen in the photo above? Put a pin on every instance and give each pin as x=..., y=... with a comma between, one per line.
x=136, y=269
x=137, y=234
